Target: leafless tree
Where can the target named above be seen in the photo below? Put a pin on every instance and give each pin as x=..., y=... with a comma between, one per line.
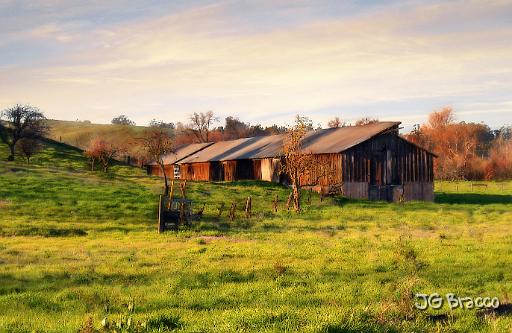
x=336, y=122
x=200, y=124
x=28, y=147
x=21, y=121
x=158, y=142
x=366, y=121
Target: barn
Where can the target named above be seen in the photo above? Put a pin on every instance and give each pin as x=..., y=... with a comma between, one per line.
x=242, y=159
x=171, y=168
x=370, y=161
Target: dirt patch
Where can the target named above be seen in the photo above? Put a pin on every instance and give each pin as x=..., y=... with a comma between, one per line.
x=4, y=203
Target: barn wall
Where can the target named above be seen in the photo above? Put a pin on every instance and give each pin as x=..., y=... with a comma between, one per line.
x=356, y=190
x=229, y=170
x=387, y=160
x=327, y=171
x=419, y=191
x=196, y=171
x=155, y=170
x=256, y=169
x=270, y=169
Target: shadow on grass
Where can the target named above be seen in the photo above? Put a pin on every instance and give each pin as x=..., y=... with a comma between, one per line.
x=46, y=232
x=472, y=198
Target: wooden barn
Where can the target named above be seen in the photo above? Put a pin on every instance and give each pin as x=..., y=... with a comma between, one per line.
x=171, y=168
x=370, y=161
x=247, y=158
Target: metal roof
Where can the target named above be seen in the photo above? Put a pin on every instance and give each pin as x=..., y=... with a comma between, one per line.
x=255, y=147
x=324, y=141
x=336, y=140
x=182, y=152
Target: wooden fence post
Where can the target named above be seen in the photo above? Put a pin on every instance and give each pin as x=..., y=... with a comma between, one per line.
x=221, y=209
x=275, y=203
x=161, y=222
x=248, y=206
x=171, y=194
x=289, y=201
x=232, y=211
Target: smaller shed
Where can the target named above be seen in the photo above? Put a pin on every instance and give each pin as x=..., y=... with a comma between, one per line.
x=172, y=169
x=235, y=160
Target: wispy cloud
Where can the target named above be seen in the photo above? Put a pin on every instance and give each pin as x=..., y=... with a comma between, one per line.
x=206, y=57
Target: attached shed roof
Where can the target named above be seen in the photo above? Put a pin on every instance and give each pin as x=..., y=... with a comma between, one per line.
x=183, y=151
x=325, y=141
x=246, y=148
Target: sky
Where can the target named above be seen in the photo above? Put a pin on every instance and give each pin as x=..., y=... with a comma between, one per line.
x=262, y=61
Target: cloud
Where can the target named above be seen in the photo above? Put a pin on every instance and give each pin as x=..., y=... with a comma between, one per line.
x=199, y=59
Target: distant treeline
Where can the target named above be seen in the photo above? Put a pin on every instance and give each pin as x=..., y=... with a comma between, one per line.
x=470, y=151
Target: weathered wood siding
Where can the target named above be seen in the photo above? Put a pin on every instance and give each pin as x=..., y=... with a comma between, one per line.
x=418, y=191
x=196, y=171
x=387, y=160
x=155, y=170
x=326, y=171
x=357, y=190
x=229, y=170
x=270, y=169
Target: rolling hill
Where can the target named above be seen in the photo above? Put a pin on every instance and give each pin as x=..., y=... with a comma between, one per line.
x=79, y=133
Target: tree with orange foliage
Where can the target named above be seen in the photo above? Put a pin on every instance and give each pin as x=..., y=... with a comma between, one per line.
x=460, y=146
x=296, y=162
x=499, y=164
x=102, y=152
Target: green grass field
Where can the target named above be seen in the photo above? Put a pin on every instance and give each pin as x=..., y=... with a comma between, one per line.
x=78, y=247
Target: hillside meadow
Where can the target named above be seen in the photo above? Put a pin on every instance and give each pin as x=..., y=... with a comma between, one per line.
x=77, y=247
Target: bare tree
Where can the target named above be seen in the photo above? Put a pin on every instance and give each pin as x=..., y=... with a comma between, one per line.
x=296, y=162
x=22, y=121
x=28, y=147
x=158, y=142
x=366, y=121
x=336, y=122
x=200, y=124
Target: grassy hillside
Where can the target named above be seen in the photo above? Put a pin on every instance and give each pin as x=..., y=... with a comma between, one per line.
x=76, y=245
x=79, y=134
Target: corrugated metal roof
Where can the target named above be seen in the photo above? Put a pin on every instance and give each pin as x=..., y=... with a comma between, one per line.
x=183, y=151
x=255, y=147
x=333, y=140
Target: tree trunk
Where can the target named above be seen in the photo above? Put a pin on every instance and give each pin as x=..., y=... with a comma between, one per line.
x=296, y=198
x=12, y=151
x=166, y=183
x=296, y=193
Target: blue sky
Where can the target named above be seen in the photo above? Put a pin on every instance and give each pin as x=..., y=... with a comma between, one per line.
x=262, y=61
